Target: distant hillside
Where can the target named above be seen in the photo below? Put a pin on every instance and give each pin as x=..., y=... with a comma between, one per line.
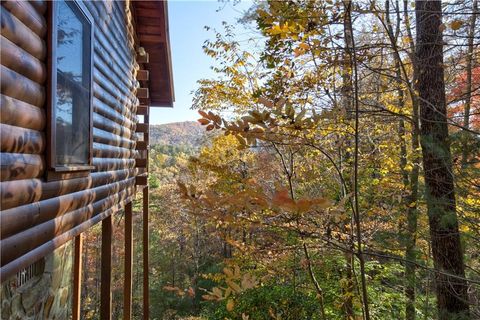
x=185, y=134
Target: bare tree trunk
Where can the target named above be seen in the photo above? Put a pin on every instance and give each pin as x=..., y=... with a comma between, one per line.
x=468, y=88
x=357, y=224
x=410, y=182
x=348, y=290
x=451, y=287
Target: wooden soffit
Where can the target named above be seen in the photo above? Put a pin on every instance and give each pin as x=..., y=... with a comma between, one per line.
x=151, y=21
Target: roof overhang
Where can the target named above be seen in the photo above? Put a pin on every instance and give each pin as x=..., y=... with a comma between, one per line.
x=151, y=20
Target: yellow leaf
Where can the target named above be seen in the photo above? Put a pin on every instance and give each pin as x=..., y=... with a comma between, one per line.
x=456, y=24
x=304, y=46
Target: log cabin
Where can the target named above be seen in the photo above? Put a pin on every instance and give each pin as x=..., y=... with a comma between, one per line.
x=78, y=79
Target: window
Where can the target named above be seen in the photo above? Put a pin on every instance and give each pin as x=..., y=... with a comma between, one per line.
x=70, y=99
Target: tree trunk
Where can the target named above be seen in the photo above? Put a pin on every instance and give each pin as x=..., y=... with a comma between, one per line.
x=468, y=88
x=451, y=286
x=348, y=290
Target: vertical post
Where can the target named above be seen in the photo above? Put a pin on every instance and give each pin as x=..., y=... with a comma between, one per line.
x=146, y=303
x=106, y=272
x=77, y=277
x=127, y=288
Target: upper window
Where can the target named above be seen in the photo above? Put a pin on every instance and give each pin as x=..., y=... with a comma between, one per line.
x=71, y=87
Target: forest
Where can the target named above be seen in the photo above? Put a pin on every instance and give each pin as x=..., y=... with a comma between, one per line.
x=334, y=172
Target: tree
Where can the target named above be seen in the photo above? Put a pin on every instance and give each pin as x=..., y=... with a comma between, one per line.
x=451, y=286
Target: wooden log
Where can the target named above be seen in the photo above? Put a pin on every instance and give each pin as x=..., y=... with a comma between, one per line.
x=24, y=217
x=102, y=136
x=21, y=114
x=120, y=60
x=142, y=127
x=19, y=140
x=111, y=126
x=17, y=245
x=39, y=5
x=77, y=277
x=15, y=31
x=26, y=13
x=109, y=164
x=101, y=150
x=142, y=93
x=106, y=111
x=122, y=94
x=143, y=110
x=20, y=61
x=106, y=66
x=141, y=145
x=117, y=103
x=106, y=270
x=39, y=252
x=127, y=286
x=141, y=180
x=142, y=75
x=123, y=39
x=20, y=87
x=106, y=25
x=22, y=192
x=110, y=71
x=143, y=58
x=141, y=163
x=16, y=166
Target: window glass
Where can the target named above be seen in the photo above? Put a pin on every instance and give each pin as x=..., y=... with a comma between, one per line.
x=72, y=101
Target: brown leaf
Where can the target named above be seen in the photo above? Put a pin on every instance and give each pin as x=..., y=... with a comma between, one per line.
x=203, y=114
x=203, y=121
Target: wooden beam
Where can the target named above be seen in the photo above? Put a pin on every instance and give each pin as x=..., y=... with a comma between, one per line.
x=127, y=288
x=142, y=93
x=140, y=163
x=141, y=145
x=143, y=110
x=77, y=277
x=142, y=75
x=146, y=294
x=143, y=59
x=141, y=180
x=142, y=127
x=106, y=270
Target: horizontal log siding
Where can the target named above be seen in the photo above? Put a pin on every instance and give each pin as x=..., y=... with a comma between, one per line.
x=53, y=212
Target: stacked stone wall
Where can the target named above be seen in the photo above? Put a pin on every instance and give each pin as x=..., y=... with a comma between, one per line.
x=47, y=295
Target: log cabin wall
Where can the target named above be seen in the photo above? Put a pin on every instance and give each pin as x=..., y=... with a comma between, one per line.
x=38, y=216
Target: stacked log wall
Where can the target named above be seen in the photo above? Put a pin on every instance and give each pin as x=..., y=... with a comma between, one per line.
x=37, y=215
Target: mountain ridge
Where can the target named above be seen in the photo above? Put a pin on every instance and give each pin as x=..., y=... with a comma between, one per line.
x=183, y=133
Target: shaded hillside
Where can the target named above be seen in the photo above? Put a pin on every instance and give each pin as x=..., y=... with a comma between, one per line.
x=185, y=134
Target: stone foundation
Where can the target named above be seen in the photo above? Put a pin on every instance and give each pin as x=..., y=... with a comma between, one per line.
x=46, y=295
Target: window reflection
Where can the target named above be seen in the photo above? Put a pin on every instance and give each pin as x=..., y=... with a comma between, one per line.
x=72, y=102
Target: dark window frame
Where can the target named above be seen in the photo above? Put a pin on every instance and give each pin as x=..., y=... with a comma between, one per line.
x=61, y=171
